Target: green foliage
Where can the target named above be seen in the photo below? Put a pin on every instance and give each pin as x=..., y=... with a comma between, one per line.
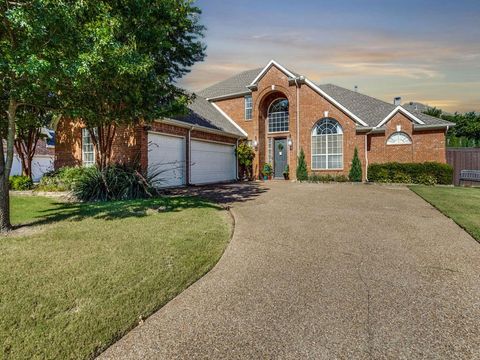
x=286, y=170
x=115, y=182
x=327, y=178
x=20, y=183
x=267, y=169
x=356, y=169
x=428, y=173
x=62, y=179
x=302, y=173
x=467, y=126
x=245, y=155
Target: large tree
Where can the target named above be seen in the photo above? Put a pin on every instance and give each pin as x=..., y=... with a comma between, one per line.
x=133, y=52
x=108, y=62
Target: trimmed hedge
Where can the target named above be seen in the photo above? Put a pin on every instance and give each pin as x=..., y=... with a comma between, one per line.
x=314, y=178
x=20, y=183
x=427, y=173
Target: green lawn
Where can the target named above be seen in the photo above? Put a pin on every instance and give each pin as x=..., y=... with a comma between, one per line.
x=88, y=276
x=460, y=204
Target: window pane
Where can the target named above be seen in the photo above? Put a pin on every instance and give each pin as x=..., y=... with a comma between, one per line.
x=327, y=145
x=278, y=116
x=248, y=107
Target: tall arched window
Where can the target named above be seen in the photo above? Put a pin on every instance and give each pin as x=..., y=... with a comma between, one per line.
x=327, y=145
x=278, y=116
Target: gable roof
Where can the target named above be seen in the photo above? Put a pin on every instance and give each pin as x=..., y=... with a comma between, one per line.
x=366, y=110
x=203, y=113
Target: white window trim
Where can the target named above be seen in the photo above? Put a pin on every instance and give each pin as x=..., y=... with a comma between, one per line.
x=327, y=154
x=399, y=144
x=84, y=163
x=248, y=108
x=277, y=112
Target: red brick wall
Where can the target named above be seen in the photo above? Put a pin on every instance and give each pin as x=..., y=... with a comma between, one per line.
x=427, y=145
x=130, y=143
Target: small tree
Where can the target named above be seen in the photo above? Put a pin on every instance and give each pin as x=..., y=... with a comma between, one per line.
x=302, y=173
x=30, y=122
x=356, y=169
x=245, y=156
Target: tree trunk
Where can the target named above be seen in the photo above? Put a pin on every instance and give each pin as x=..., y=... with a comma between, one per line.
x=102, y=141
x=5, y=168
x=26, y=145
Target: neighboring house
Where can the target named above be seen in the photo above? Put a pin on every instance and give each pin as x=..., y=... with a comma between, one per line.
x=43, y=160
x=279, y=112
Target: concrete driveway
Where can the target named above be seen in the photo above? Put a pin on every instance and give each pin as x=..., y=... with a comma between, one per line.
x=325, y=271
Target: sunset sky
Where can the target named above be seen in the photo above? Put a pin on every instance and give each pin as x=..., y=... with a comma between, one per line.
x=426, y=51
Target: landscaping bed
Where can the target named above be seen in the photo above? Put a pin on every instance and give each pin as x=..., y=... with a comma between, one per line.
x=93, y=271
x=460, y=204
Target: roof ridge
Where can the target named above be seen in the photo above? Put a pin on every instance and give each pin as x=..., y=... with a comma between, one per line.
x=359, y=93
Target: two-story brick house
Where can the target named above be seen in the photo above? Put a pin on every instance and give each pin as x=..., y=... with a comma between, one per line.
x=279, y=112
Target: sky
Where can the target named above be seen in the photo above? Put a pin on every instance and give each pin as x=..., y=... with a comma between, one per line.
x=425, y=51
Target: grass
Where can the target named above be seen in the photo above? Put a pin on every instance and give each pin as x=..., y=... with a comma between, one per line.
x=460, y=204
x=80, y=283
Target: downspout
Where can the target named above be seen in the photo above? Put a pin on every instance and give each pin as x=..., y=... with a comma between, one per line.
x=366, y=153
x=236, y=161
x=297, y=118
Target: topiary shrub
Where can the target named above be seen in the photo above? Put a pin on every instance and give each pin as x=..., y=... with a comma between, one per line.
x=356, y=169
x=302, y=173
x=116, y=182
x=429, y=173
x=20, y=183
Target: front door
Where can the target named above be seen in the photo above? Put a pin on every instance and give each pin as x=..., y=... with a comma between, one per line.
x=280, y=159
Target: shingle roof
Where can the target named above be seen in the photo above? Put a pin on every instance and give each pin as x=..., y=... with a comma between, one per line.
x=369, y=109
x=372, y=110
x=233, y=85
x=203, y=113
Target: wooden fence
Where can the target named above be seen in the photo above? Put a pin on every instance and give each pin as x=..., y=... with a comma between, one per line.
x=463, y=159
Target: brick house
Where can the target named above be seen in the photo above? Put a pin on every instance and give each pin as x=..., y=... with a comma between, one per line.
x=279, y=112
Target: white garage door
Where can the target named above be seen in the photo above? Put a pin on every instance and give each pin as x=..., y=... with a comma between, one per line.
x=212, y=162
x=166, y=155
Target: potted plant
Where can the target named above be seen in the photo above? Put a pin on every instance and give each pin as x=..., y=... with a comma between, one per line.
x=286, y=172
x=266, y=171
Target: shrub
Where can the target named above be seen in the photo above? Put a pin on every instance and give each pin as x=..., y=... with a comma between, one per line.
x=356, y=169
x=267, y=169
x=245, y=154
x=302, y=173
x=326, y=178
x=62, y=179
x=20, y=183
x=116, y=182
x=428, y=173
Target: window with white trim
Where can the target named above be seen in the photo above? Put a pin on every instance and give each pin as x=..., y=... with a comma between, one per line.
x=248, y=107
x=327, y=145
x=399, y=138
x=278, y=116
x=88, y=149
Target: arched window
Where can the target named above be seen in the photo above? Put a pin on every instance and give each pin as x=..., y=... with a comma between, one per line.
x=327, y=145
x=278, y=116
x=399, y=138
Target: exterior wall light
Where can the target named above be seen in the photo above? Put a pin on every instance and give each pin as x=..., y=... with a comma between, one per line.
x=255, y=143
x=290, y=142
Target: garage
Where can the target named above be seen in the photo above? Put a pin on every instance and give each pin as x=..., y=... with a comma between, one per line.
x=166, y=154
x=40, y=165
x=212, y=162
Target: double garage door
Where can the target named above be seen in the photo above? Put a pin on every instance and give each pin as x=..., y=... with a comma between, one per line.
x=210, y=162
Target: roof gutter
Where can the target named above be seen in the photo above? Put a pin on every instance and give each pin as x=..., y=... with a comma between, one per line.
x=228, y=96
x=198, y=127
x=432, y=127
